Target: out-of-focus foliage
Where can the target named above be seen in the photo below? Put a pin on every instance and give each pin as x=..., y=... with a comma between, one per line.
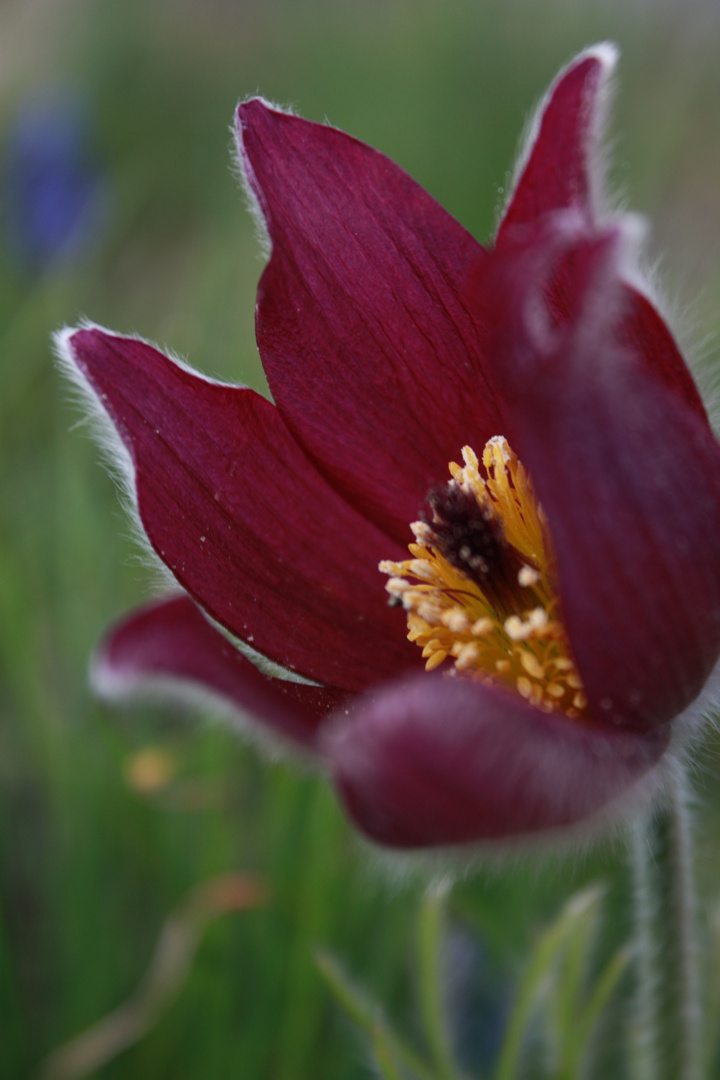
x=551, y=1027
x=124, y=207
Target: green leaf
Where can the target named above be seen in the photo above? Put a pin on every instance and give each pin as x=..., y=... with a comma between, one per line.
x=432, y=1005
x=384, y=1054
x=570, y=979
x=165, y=976
x=577, y=913
x=586, y=1022
x=368, y=1016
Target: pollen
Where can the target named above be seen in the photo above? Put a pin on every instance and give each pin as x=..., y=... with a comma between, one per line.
x=480, y=588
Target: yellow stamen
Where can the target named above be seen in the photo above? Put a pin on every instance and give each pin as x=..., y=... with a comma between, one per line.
x=480, y=587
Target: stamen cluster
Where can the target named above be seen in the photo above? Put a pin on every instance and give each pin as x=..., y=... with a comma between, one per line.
x=480, y=587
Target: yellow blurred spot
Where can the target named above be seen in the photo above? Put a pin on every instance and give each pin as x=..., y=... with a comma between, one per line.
x=150, y=770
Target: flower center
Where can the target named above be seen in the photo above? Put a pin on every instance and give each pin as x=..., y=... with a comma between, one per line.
x=480, y=588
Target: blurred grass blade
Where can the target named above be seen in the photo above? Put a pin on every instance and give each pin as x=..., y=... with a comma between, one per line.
x=169, y=967
x=577, y=913
x=430, y=945
x=384, y=1055
x=564, y=1008
x=712, y=1012
x=585, y=1023
x=367, y=1014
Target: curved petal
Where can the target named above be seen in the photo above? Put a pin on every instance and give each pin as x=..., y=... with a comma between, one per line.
x=640, y=330
x=244, y=521
x=170, y=643
x=645, y=332
x=434, y=761
x=629, y=478
x=370, y=352
x=557, y=170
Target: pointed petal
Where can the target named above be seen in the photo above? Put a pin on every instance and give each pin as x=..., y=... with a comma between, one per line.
x=245, y=523
x=170, y=644
x=370, y=353
x=557, y=169
x=629, y=478
x=434, y=761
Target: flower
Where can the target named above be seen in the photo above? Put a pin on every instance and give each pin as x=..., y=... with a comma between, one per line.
x=564, y=582
x=53, y=193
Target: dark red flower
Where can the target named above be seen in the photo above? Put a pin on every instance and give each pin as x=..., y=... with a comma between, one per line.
x=579, y=602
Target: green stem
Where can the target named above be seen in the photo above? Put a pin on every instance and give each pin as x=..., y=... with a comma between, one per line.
x=645, y=1020
x=668, y=1044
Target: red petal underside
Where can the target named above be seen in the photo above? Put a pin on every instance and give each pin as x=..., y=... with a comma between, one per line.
x=557, y=174
x=645, y=332
x=244, y=521
x=640, y=329
x=629, y=478
x=370, y=353
x=436, y=761
x=171, y=642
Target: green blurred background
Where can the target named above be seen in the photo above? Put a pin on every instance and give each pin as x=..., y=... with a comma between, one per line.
x=107, y=816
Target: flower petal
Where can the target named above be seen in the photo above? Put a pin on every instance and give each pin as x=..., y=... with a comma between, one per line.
x=645, y=332
x=629, y=478
x=170, y=643
x=245, y=523
x=370, y=352
x=640, y=329
x=433, y=761
x=557, y=170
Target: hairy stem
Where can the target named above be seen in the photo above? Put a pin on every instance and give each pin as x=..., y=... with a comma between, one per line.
x=668, y=1043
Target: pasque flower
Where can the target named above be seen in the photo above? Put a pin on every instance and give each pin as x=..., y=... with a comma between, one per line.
x=521, y=416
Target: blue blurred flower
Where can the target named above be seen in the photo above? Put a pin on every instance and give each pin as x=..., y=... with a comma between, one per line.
x=53, y=192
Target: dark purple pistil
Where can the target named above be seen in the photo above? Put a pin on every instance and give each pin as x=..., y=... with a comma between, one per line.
x=472, y=539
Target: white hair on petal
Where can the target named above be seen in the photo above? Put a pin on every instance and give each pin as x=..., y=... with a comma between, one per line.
x=684, y=321
x=644, y=276
x=641, y=272
x=127, y=686
x=569, y=226
x=609, y=828
x=693, y=723
x=243, y=171
x=607, y=53
x=707, y=376
x=119, y=464
x=114, y=454
x=683, y=325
